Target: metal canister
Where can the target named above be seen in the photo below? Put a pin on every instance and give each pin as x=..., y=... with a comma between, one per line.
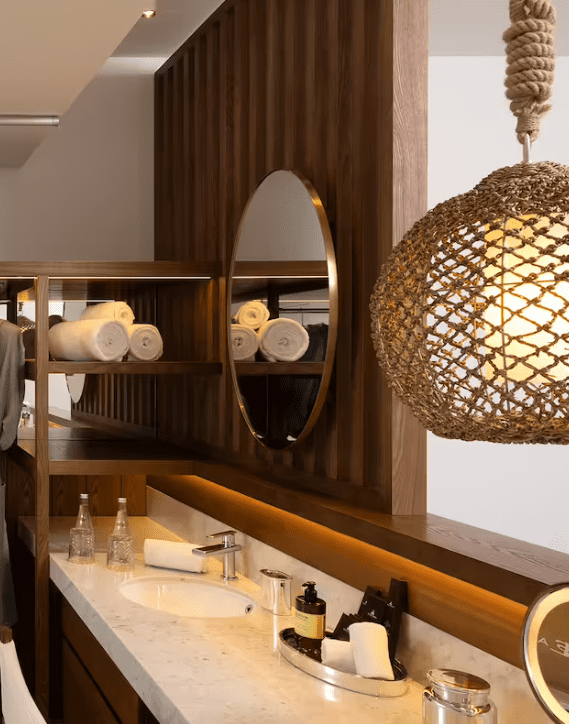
x=455, y=697
x=275, y=592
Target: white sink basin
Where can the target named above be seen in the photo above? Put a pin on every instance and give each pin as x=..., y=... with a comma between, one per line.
x=184, y=596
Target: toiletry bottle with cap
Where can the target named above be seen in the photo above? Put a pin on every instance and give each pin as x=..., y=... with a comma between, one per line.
x=310, y=621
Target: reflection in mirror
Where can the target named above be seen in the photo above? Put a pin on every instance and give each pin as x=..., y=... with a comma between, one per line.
x=282, y=309
x=546, y=650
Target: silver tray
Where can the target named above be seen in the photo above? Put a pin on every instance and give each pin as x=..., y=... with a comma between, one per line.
x=352, y=682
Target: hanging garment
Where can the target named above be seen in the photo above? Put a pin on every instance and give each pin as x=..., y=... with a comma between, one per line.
x=12, y=382
x=12, y=387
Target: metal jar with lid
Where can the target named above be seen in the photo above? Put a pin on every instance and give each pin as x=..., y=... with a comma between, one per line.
x=455, y=697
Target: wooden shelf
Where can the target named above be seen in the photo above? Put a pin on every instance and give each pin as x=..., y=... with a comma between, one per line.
x=141, y=270
x=126, y=368
x=306, y=369
x=87, y=451
x=280, y=269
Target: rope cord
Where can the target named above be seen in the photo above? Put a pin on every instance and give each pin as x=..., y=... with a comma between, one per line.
x=531, y=63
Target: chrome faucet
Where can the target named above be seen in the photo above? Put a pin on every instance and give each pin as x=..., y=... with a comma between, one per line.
x=227, y=548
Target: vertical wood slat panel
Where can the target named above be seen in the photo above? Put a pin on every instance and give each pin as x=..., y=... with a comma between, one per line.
x=359, y=252
x=319, y=100
x=344, y=234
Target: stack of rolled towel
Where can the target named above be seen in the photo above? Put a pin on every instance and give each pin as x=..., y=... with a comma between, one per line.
x=365, y=654
x=105, y=333
x=278, y=340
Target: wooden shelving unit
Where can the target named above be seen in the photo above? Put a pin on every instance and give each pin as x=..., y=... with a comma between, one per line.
x=46, y=449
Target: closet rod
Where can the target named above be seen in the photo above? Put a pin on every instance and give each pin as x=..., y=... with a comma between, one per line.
x=28, y=120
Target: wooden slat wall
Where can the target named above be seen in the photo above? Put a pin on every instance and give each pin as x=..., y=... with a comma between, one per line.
x=317, y=88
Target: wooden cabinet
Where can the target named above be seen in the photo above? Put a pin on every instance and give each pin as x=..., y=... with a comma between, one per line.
x=94, y=691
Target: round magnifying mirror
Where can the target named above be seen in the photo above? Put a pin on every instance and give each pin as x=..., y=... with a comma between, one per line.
x=546, y=650
x=282, y=309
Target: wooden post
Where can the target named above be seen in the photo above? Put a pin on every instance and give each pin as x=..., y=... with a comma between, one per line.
x=42, y=496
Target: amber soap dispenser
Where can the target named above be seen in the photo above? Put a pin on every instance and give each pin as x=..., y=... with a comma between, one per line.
x=310, y=621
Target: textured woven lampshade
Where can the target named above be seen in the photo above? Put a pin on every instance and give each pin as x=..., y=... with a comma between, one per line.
x=470, y=315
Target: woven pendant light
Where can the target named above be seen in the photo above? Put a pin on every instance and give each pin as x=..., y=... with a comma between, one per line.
x=470, y=315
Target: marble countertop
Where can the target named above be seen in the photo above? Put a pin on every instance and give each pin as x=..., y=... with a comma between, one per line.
x=190, y=670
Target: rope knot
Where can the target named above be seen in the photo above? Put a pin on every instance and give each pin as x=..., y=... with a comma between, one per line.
x=531, y=63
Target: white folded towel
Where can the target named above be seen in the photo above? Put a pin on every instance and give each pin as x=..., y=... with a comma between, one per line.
x=109, y=310
x=244, y=342
x=252, y=314
x=100, y=340
x=338, y=655
x=283, y=340
x=171, y=554
x=371, y=653
x=145, y=342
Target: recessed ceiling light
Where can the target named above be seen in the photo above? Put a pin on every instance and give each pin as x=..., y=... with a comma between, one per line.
x=149, y=14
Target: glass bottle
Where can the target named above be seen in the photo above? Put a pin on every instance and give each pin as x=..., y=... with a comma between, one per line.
x=120, y=553
x=82, y=536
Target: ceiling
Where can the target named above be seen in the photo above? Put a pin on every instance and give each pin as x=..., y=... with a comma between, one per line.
x=51, y=49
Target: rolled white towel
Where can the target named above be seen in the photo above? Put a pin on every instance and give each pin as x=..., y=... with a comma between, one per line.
x=371, y=653
x=252, y=314
x=145, y=342
x=171, y=554
x=282, y=340
x=244, y=342
x=109, y=310
x=100, y=340
x=338, y=655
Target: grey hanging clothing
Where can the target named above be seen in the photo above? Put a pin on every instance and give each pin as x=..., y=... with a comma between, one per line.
x=8, y=613
x=12, y=381
x=12, y=385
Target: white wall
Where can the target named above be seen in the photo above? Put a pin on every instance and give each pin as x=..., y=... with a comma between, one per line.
x=87, y=191
x=518, y=490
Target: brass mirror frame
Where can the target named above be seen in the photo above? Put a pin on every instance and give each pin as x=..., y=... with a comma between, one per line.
x=549, y=599
x=333, y=309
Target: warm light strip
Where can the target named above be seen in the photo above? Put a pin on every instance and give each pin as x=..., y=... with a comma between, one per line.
x=102, y=278
x=285, y=276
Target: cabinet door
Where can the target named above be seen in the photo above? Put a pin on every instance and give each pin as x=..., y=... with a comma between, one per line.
x=82, y=701
x=119, y=694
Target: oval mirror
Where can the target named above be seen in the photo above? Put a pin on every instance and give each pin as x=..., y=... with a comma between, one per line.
x=282, y=309
x=546, y=650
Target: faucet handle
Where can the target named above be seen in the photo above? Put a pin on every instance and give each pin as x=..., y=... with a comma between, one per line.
x=227, y=535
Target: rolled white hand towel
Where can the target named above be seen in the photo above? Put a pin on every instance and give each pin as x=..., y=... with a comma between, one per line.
x=371, y=654
x=244, y=342
x=252, y=314
x=171, y=554
x=338, y=655
x=283, y=340
x=109, y=310
x=145, y=342
x=101, y=340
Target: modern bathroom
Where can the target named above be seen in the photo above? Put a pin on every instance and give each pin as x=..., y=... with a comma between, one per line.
x=285, y=280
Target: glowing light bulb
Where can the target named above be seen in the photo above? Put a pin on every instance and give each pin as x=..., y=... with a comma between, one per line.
x=526, y=319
